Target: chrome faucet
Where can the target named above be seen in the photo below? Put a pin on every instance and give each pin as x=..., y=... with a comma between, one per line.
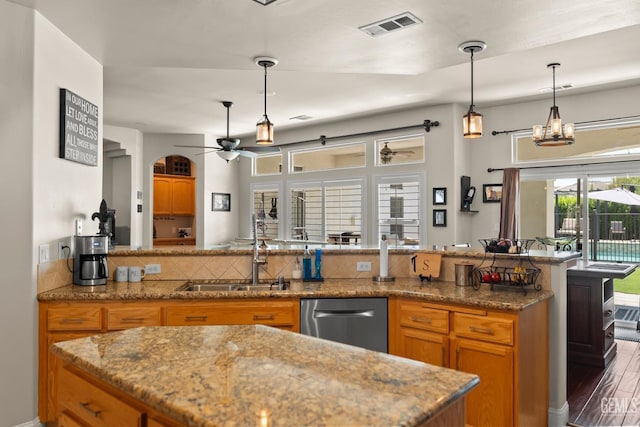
x=256, y=262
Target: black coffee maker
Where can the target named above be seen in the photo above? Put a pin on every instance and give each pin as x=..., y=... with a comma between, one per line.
x=90, y=262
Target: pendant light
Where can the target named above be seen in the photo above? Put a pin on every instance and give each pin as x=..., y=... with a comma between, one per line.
x=264, y=128
x=554, y=134
x=472, y=121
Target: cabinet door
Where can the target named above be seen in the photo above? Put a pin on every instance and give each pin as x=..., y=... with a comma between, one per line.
x=491, y=402
x=424, y=346
x=183, y=197
x=161, y=196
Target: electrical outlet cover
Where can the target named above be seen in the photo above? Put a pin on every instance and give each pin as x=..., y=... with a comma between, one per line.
x=363, y=266
x=152, y=269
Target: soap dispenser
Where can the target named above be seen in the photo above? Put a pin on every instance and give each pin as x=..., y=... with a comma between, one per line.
x=307, y=273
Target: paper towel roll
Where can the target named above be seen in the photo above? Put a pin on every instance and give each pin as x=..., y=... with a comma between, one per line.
x=384, y=257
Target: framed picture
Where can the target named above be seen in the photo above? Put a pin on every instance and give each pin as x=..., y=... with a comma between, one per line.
x=439, y=217
x=491, y=193
x=439, y=196
x=221, y=202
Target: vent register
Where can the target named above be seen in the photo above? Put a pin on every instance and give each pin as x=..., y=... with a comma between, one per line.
x=388, y=25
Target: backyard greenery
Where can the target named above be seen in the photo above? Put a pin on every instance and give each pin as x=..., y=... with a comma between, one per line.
x=628, y=285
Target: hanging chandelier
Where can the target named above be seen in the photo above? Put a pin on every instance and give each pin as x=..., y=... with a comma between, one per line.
x=472, y=121
x=554, y=134
x=264, y=128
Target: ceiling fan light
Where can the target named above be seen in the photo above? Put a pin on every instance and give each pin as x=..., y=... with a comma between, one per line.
x=264, y=131
x=228, y=155
x=472, y=124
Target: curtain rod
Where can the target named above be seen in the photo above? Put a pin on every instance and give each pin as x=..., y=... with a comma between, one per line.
x=565, y=166
x=426, y=124
x=497, y=132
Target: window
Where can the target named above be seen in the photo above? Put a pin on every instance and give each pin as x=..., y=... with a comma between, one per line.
x=327, y=212
x=328, y=158
x=603, y=142
x=406, y=149
x=266, y=206
x=399, y=211
x=270, y=164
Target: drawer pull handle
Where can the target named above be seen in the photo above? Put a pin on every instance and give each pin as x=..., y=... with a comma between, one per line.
x=132, y=319
x=480, y=330
x=85, y=406
x=608, y=313
x=73, y=320
x=264, y=317
x=195, y=318
x=426, y=320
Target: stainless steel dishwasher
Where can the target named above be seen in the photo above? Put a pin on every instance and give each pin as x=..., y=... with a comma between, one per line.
x=357, y=321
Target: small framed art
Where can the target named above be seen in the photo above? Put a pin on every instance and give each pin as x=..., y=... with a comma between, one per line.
x=221, y=202
x=439, y=217
x=439, y=196
x=491, y=193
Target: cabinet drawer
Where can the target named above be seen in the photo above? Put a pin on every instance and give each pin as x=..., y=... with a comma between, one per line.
x=93, y=405
x=132, y=317
x=608, y=310
x=74, y=319
x=608, y=337
x=485, y=328
x=414, y=315
x=231, y=313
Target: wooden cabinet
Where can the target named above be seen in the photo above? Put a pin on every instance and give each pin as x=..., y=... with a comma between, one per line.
x=173, y=195
x=89, y=405
x=61, y=321
x=283, y=314
x=590, y=320
x=422, y=333
x=507, y=350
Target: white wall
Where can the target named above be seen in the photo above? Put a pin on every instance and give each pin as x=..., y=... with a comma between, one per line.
x=42, y=192
x=131, y=140
x=18, y=315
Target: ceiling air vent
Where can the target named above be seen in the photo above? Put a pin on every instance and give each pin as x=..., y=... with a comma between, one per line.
x=388, y=25
x=558, y=88
x=301, y=117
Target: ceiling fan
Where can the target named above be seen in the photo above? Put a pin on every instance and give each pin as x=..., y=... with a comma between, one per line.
x=228, y=146
x=386, y=154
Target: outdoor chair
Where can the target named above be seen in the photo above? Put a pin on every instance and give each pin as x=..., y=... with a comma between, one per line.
x=617, y=229
x=568, y=227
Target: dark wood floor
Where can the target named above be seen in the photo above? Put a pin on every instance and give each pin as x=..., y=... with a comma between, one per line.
x=599, y=397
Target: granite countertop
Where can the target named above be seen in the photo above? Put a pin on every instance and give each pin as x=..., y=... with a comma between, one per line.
x=612, y=269
x=247, y=375
x=441, y=292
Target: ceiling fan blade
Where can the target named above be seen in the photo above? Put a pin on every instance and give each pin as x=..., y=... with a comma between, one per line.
x=271, y=149
x=205, y=147
x=245, y=153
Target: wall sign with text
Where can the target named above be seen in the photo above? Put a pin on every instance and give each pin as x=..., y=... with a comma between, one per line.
x=78, y=129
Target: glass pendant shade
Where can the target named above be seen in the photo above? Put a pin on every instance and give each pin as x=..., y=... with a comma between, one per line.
x=472, y=124
x=228, y=155
x=554, y=134
x=264, y=131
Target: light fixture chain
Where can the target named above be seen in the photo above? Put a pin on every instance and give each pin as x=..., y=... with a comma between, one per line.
x=265, y=90
x=554, y=85
x=472, y=50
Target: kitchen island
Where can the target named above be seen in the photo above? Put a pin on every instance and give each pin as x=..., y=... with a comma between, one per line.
x=251, y=375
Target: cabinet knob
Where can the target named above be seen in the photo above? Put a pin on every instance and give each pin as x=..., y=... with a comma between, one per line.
x=608, y=313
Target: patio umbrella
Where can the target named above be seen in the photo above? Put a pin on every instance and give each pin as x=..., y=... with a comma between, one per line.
x=616, y=195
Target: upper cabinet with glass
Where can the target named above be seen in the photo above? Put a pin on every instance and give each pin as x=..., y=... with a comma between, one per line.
x=394, y=151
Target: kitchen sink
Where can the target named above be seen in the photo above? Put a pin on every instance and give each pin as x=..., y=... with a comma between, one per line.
x=226, y=287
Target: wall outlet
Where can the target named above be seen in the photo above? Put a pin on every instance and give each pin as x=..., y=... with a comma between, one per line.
x=45, y=254
x=64, y=248
x=78, y=227
x=363, y=266
x=152, y=269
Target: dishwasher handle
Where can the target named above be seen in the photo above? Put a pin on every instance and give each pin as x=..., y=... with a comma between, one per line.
x=317, y=314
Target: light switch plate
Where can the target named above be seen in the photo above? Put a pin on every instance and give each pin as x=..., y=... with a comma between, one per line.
x=45, y=254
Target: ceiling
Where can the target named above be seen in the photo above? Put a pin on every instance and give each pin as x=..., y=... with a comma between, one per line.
x=169, y=63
